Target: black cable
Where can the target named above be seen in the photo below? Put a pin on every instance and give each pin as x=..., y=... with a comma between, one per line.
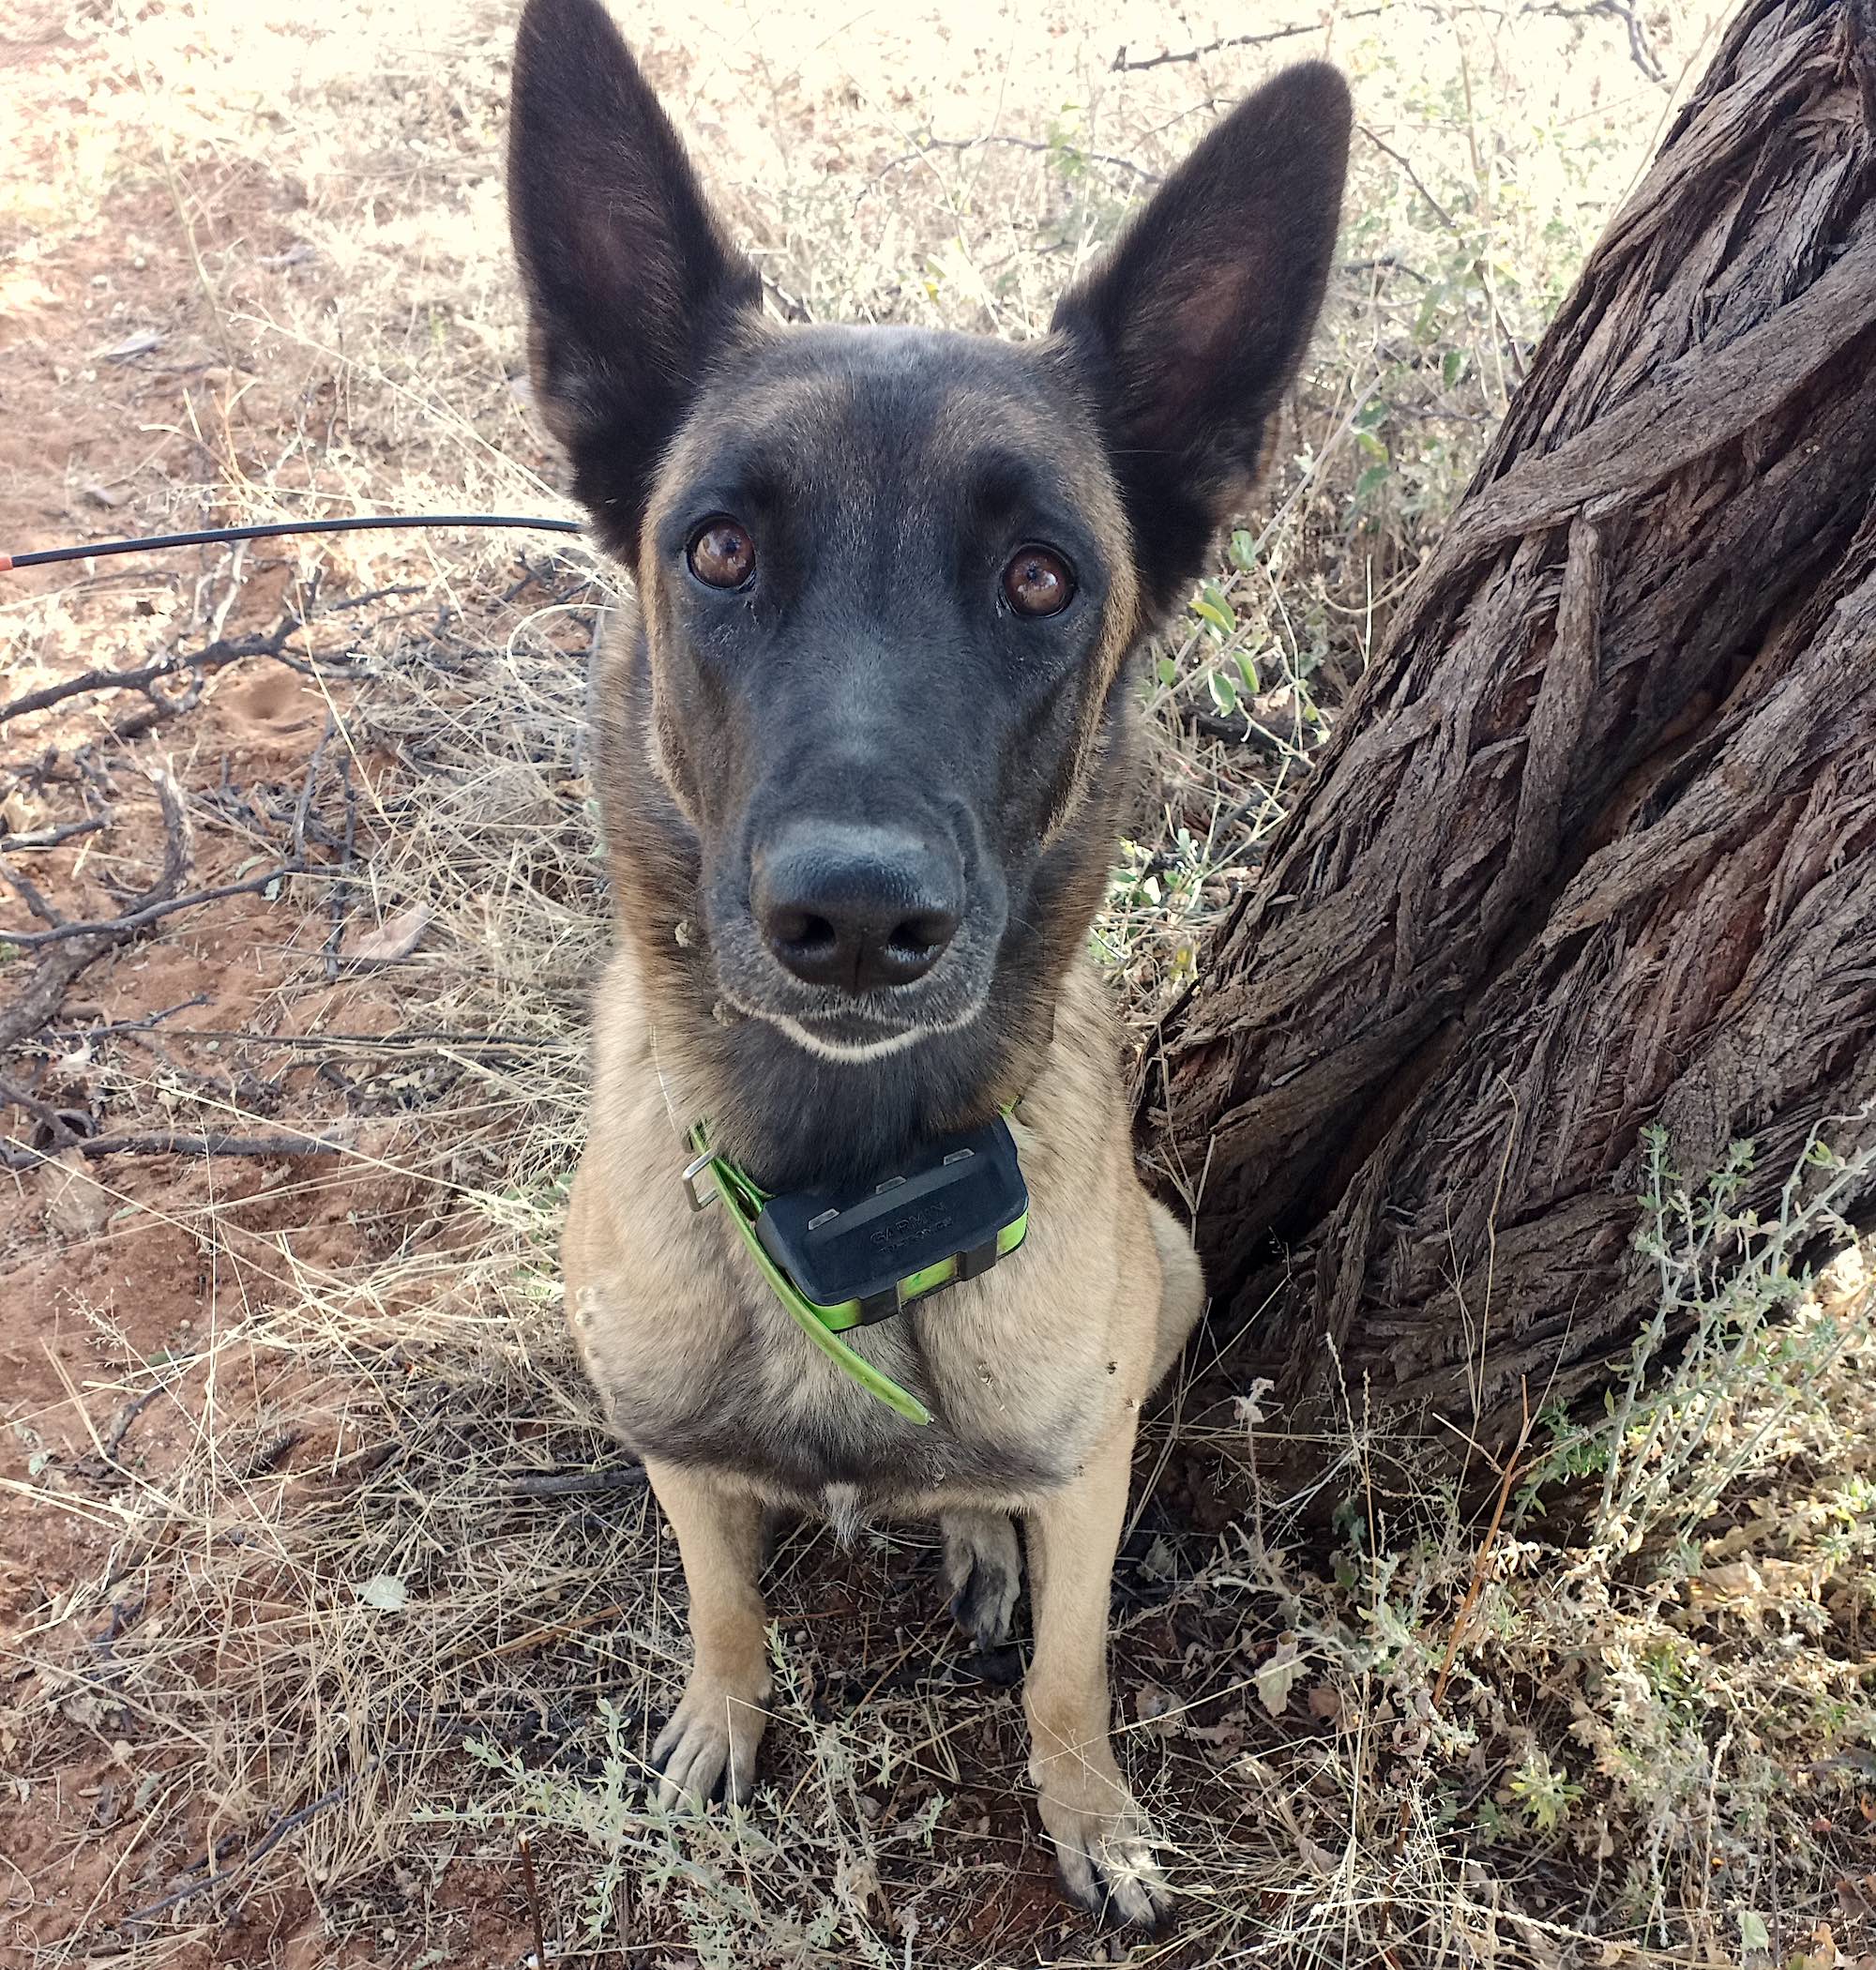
x=209, y=535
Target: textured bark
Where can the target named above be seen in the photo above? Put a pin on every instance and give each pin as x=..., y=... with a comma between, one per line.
x=1591, y=849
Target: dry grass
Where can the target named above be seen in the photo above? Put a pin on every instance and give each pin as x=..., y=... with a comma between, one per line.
x=355, y=1642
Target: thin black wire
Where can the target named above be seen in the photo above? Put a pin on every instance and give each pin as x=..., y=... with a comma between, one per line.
x=150, y=543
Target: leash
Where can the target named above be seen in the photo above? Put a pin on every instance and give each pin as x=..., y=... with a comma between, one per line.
x=271, y=530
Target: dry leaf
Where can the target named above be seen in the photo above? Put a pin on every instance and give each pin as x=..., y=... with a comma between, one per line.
x=1249, y=1407
x=1157, y=1708
x=77, y=1205
x=1317, y=1859
x=140, y=344
x=1278, y=1675
x=394, y=939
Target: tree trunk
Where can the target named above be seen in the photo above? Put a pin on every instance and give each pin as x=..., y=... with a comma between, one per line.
x=1590, y=848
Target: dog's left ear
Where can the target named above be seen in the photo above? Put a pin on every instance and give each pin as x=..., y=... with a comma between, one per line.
x=631, y=285
x=1188, y=333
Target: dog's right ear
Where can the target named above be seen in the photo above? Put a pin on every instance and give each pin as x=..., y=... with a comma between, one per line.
x=630, y=281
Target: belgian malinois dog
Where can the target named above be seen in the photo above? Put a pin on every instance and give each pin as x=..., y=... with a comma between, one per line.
x=861, y=752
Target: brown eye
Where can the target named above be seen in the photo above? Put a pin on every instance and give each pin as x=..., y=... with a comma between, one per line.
x=1037, y=581
x=721, y=554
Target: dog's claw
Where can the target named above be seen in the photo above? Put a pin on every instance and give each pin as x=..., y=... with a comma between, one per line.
x=983, y=1568
x=1107, y=1863
x=1115, y=1878
x=708, y=1749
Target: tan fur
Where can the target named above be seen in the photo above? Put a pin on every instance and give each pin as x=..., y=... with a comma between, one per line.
x=1057, y=1349
x=870, y=681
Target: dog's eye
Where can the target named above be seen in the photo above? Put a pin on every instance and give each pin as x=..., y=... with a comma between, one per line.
x=1038, y=581
x=722, y=555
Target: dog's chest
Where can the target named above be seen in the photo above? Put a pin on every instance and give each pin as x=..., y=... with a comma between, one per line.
x=769, y=1407
x=1024, y=1368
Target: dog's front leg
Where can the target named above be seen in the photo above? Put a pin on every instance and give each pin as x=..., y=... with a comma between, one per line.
x=715, y=1732
x=1100, y=1834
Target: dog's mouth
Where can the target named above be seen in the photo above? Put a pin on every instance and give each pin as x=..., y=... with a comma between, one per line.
x=859, y=1033
x=837, y=1023
x=844, y=1026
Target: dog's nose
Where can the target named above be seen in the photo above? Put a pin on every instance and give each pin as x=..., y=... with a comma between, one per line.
x=859, y=909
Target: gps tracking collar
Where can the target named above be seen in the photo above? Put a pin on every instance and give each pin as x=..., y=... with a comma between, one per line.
x=842, y=1259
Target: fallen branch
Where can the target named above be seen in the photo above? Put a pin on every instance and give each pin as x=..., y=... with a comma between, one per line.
x=262, y=1848
x=198, y=665
x=82, y=945
x=118, y=928
x=51, y=836
x=287, y=1142
x=1121, y=64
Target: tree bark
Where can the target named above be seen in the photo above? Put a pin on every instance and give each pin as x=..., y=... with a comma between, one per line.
x=1591, y=847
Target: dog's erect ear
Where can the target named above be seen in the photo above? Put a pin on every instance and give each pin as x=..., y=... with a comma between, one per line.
x=1188, y=333
x=630, y=281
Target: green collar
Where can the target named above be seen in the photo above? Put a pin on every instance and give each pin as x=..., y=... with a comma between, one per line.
x=823, y=1323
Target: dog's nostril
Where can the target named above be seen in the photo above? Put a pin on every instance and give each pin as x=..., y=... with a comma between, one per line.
x=811, y=934
x=923, y=936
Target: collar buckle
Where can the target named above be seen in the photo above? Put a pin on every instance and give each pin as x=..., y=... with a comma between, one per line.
x=693, y=1171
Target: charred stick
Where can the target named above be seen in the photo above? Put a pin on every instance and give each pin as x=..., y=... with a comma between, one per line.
x=22, y=1156
x=255, y=1854
x=51, y=836
x=29, y=895
x=46, y=989
x=118, y=928
x=144, y=678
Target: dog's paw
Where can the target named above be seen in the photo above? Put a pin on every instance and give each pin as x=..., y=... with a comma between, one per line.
x=708, y=1749
x=1107, y=1862
x=983, y=1569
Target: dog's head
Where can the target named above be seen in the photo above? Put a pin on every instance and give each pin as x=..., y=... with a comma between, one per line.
x=889, y=579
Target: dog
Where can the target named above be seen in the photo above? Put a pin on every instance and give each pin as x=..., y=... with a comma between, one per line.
x=861, y=750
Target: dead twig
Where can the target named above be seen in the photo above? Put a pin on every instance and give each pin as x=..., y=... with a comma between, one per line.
x=1478, y=267
x=51, y=836
x=422, y=1040
x=1031, y=143
x=1122, y=65
x=1513, y=1464
x=252, y=1859
x=29, y=895
x=1414, y=177
x=118, y=928
x=81, y=944
x=303, y=806
x=285, y=1142
x=197, y=664
x=570, y=1484
x=340, y=899
x=533, y=1888
x=120, y=1423
x=83, y=1036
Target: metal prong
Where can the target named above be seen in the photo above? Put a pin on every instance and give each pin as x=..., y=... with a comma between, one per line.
x=693, y=1171
x=825, y=1218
